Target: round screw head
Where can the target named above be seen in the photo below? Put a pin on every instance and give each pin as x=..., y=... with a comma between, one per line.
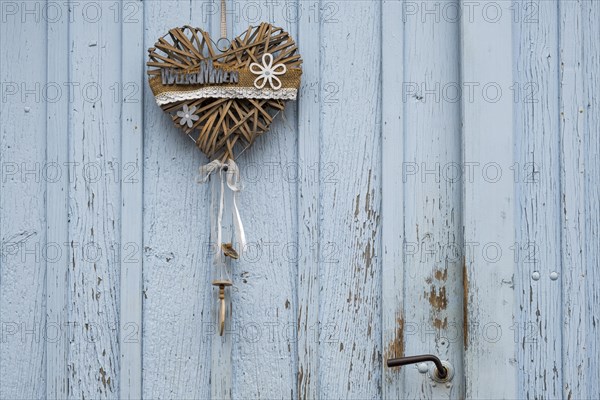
x=554, y=275
x=535, y=275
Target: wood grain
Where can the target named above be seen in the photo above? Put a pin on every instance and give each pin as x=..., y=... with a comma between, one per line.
x=578, y=57
x=22, y=209
x=488, y=212
x=221, y=362
x=591, y=310
x=264, y=347
x=57, y=213
x=433, y=306
x=328, y=288
x=95, y=212
x=392, y=198
x=537, y=330
x=350, y=233
x=308, y=199
x=178, y=296
x=131, y=279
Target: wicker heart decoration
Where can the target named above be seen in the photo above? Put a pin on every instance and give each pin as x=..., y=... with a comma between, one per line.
x=224, y=100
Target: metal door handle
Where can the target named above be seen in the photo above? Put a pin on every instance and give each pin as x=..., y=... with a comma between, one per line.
x=441, y=371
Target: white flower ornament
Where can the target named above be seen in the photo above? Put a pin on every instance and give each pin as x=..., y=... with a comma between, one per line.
x=267, y=72
x=187, y=115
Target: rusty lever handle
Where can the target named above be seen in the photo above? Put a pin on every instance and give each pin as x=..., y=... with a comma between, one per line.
x=442, y=372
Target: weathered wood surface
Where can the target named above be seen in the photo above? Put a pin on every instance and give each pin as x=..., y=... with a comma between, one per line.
x=57, y=214
x=22, y=210
x=350, y=178
x=94, y=208
x=308, y=290
x=392, y=200
x=579, y=52
x=264, y=317
x=537, y=251
x=353, y=215
x=131, y=280
x=433, y=301
x=178, y=296
x=488, y=206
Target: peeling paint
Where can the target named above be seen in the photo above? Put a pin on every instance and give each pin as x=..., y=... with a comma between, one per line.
x=437, y=297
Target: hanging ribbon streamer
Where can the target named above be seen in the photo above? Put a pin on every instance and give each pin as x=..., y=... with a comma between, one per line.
x=232, y=172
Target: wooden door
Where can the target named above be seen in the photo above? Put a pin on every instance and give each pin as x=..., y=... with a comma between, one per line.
x=433, y=190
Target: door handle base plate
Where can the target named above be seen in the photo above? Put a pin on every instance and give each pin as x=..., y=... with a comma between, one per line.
x=433, y=372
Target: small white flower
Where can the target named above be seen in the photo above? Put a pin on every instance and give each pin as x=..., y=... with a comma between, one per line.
x=187, y=115
x=267, y=72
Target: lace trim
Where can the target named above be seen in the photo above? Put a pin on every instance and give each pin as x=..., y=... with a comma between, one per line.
x=228, y=93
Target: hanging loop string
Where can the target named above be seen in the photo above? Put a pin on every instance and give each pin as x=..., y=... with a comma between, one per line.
x=234, y=184
x=223, y=20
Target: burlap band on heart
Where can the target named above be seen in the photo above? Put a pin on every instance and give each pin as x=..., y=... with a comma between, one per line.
x=244, y=89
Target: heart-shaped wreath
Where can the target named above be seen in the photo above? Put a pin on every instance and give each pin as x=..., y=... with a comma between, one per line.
x=224, y=99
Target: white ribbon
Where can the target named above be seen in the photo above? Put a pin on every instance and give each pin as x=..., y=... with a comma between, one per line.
x=234, y=184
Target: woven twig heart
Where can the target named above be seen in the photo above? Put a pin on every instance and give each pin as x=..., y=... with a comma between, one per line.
x=224, y=100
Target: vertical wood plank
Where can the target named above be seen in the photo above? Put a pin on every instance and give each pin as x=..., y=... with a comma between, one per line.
x=23, y=76
x=94, y=200
x=130, y=317
x=178, y=296
x=488, y=211
x=221, y=378
x=432, y=174
x=392, y=197
x=578, y=55
x=537, y=330
x=264, y=312
x=309, y=133
x=591, y=63
x=57, y=215
x=350, y=240
x=221, y=365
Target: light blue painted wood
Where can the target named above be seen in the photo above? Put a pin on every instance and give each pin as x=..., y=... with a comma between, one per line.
x=591, y=311
x=350, y=265
x=57, y=213
x=264, y=350
x=22, y=208
x=178, y=326
x=537, y=330
x=308, y=287
x=132, y=129
x=572, y=104
x=392, y=197
x=433, y=301
x=95, y=204
x=342, y=286
x=221, y=364
x=578, y=120
x=488, y=209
